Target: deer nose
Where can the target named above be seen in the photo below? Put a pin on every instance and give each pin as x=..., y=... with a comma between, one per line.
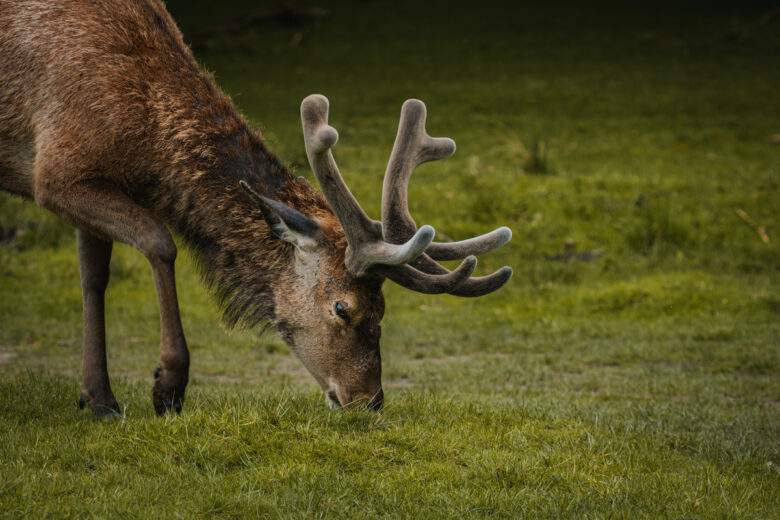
x=371, y=401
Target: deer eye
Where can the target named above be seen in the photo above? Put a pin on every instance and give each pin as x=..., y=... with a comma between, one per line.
x=341, y=311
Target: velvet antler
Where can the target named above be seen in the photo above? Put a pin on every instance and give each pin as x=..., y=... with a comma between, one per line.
x=366, y=247
x=413, y=146
x=396, y=248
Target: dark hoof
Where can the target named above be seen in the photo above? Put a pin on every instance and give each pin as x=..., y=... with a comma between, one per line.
x=168, y=391
x=101, y=407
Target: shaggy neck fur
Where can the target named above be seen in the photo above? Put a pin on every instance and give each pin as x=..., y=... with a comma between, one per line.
x=207, y=148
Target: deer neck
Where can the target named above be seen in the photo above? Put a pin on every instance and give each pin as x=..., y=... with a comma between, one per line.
x=204, y=152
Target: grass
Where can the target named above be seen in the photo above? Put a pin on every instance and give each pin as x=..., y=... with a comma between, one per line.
x=258, y=453
x=536, y=161
x=642, y=382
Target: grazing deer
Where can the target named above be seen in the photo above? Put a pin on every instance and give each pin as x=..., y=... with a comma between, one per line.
x=107, y=120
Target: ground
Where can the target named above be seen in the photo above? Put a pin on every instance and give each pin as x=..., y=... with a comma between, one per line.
x=630, y=367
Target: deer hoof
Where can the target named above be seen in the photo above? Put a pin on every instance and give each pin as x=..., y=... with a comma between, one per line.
x=168, y=391
x=100, y=406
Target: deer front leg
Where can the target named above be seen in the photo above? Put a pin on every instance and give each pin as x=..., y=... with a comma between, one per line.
x=94, y=260
x=100, y=209
x=172, y=375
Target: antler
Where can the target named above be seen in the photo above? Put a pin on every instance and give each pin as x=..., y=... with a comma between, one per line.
x=396, y=248
x=413, y=146
x=364, y=236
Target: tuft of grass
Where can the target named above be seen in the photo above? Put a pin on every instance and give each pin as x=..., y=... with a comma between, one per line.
x=536, y=161
x=656, y=231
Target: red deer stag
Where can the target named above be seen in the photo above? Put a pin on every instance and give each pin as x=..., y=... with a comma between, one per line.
x=107, y=120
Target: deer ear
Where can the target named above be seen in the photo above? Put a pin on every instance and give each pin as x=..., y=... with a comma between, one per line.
x=284, y=222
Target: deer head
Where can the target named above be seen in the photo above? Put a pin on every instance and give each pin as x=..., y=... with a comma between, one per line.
x=330, y=305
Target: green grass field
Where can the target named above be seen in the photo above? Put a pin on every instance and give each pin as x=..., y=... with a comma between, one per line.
x=643, y=381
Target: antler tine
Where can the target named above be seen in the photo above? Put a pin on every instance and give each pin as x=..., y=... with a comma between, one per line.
x=419, y=281
x=364, y=235
x=471, y=287
x=413, y=146
x=472, y=246
x=319, y=138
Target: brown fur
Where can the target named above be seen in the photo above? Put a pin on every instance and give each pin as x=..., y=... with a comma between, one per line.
x=107, y=120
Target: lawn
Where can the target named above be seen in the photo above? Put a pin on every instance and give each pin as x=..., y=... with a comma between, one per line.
x=630, y=368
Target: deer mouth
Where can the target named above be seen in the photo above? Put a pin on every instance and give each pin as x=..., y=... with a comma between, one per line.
x=373, y=402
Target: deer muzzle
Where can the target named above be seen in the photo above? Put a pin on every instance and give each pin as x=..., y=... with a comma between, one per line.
x=338, y=398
